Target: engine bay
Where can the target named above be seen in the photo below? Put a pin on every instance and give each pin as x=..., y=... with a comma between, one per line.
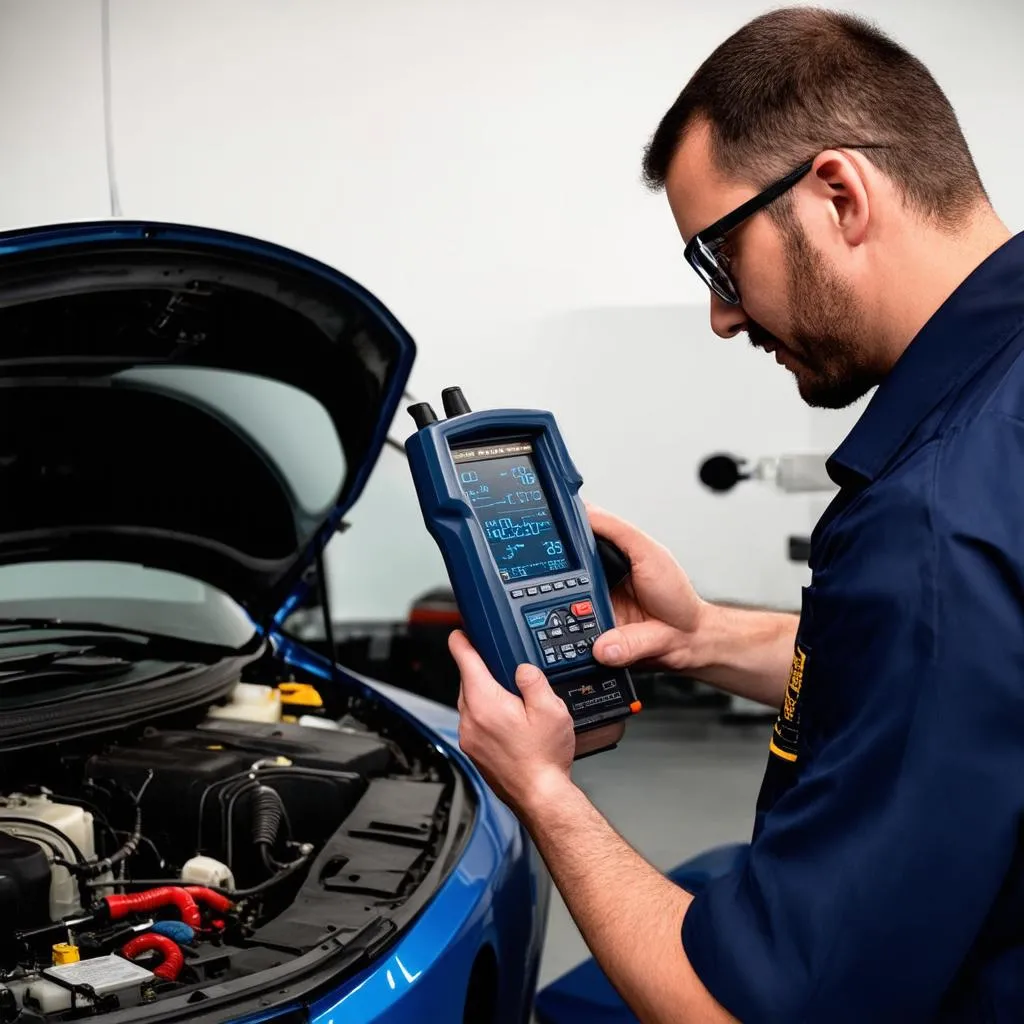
x=163, y=860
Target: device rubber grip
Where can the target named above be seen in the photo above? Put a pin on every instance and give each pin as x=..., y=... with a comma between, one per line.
x=614, y=562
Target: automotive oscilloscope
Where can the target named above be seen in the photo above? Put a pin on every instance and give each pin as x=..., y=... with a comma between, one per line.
x=500, y=496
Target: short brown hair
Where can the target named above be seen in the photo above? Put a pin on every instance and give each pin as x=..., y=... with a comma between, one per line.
x=798, y=80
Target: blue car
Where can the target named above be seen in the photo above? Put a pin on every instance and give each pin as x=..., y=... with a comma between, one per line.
x=201, y=819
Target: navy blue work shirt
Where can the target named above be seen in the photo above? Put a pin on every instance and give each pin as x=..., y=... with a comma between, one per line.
x=885, y=878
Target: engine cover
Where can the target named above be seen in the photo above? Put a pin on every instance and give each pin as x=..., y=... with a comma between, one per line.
x=199, y=798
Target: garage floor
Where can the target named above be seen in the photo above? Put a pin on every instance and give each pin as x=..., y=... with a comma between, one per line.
x=679, y=783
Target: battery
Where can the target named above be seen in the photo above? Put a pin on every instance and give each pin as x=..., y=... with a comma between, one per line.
x=102, y=976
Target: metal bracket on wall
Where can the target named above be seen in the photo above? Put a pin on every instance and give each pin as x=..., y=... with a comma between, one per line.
x=800, y=549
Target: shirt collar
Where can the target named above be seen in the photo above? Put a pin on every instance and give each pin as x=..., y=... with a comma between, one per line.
x=981, y=316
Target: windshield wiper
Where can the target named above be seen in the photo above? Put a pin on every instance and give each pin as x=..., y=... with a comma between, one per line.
x=76, y=660
x=92, y=638
x=38, y=658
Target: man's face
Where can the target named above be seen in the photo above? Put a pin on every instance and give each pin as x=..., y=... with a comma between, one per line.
x=793, y=301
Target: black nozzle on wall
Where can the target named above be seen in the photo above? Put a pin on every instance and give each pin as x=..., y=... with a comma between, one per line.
x=721, y=473
x=454, y=402
x=423, y=414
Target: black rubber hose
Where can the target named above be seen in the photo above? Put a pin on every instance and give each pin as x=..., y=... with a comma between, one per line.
x=256, y=890
x=129, y=847
x=131, y=844
x=267, y=815
x=231, y=894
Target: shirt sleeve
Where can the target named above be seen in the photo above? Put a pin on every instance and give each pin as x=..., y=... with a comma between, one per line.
x=873, y=874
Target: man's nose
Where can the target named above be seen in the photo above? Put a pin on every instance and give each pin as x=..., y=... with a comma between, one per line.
x=726, y=321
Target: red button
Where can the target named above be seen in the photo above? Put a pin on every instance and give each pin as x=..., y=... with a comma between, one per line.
x=581, y=608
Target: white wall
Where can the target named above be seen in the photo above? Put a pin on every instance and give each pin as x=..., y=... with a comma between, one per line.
x=51, y=111
x=476, y=165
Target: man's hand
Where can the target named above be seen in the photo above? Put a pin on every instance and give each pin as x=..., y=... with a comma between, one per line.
x=661, y=620
x=523, y=747
x=658, y=614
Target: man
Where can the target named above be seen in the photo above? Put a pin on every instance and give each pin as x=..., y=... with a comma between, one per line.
x=826, y=195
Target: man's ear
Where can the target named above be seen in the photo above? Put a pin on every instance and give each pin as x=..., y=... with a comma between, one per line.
x=838, y=180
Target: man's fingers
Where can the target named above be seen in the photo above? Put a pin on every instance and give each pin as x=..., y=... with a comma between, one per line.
x=640, y=641
x=625, y=536
x=476, y=677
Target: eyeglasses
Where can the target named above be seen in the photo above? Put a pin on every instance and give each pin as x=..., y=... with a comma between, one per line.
x=704, y=251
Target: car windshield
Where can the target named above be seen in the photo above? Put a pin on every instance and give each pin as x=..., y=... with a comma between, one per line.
x=129, y=597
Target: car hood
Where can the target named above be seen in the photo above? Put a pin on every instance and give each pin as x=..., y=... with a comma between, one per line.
x=186, y=399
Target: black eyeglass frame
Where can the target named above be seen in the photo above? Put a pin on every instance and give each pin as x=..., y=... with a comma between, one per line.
x=706, y=244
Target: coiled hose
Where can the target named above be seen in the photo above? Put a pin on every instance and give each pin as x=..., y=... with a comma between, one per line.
x=173, y=960
x=267, y=814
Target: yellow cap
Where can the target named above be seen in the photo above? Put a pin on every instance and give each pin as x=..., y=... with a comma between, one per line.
x=300, y=693
x=64, y=953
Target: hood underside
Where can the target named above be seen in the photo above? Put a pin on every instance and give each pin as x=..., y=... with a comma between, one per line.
x=186, y=399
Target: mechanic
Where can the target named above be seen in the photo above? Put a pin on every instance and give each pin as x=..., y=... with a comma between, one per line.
x=885, y=876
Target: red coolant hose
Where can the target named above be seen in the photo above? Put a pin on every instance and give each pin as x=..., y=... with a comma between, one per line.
x=173, y=961
x=214, y=900
x=152, y=899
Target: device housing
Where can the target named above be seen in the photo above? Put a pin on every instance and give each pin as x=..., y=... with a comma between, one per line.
x=508, y=618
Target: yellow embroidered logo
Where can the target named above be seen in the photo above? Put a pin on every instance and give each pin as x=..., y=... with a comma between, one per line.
x=786, y=731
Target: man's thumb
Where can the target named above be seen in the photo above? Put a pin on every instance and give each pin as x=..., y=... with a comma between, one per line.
x=532, y=684
x=638, y=641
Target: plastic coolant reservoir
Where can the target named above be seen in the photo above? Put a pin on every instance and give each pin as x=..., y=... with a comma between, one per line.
x=207, y=871
x=250, y=703
x=35, y=814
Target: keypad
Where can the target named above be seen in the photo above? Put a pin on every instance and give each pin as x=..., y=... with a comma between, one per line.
x=562, y=634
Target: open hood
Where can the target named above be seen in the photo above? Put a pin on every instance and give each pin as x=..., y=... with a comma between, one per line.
x=186, y=399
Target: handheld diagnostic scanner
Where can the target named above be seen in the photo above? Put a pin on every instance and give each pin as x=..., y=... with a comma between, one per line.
x=500, y=496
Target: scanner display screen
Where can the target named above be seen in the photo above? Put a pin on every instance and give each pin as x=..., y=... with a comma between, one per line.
x=504, y=490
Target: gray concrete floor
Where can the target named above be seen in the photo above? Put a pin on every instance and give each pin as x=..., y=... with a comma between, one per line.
x=679, y=783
